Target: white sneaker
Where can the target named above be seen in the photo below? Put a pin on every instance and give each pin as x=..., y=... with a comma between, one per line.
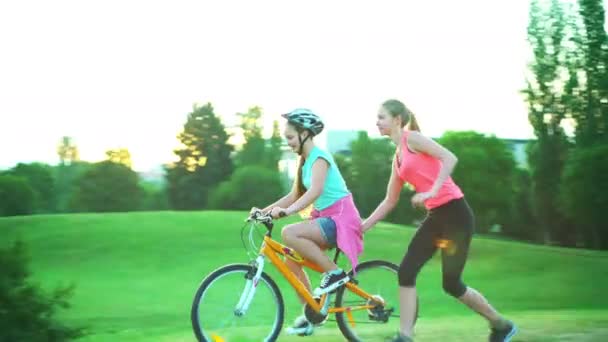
x=301, y=327
x=331, y=282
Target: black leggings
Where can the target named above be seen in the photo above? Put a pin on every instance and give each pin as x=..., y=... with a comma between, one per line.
x=452, y=223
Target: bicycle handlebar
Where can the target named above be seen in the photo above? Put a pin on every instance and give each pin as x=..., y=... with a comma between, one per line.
x=262, y=217
x=258, y=216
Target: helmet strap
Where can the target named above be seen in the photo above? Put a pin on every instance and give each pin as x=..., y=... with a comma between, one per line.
x=302, y=141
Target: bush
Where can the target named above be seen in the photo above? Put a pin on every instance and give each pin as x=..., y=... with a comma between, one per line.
x=106, y=187
x=26, y=313
x=16, y=196
x=40, y=178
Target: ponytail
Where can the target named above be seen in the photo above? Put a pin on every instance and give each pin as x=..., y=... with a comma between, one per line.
x=396, y=108
x=413, y=123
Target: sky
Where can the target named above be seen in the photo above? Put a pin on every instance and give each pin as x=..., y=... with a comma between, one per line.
x=125, y=74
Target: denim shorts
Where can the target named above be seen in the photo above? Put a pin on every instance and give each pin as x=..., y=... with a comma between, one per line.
x=328, y=230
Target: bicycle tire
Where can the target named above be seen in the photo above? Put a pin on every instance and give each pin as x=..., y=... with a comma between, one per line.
x=343, y=322
x=207, y=284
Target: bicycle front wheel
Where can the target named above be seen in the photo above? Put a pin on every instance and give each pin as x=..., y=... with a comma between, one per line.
x=379, y=279
x=216, y=310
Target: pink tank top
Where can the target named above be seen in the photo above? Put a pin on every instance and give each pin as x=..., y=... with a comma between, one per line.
x=421, y=170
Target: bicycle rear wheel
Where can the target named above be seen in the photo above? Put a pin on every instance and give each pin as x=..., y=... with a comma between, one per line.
x=215, y=318
x=378, y=278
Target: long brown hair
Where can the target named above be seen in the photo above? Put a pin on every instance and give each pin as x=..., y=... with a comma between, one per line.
x=298, y=185
x=396, y=108
x=300, y=190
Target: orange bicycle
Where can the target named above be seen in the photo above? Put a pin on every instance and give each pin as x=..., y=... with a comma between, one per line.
x=241, y=302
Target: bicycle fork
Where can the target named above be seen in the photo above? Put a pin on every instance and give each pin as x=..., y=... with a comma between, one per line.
x=253, y=277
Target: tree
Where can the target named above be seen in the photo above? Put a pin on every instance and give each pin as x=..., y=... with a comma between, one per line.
x=257, y=150
x=66, y=174
x=26, y=312
x=584, y=197
x=254, y=149
x=370, y=171
x=485, y=172
x=107, y=187
x=547, y=95
x=249, y=186
x=155, y=196
x=66, y=183
x=120, y=156
x=587, y=98
x=273, y=150
x=16, y=196
x=523, y=224
x=592, y=120
x=67, y=151
x=204, y=160
x=40, y=178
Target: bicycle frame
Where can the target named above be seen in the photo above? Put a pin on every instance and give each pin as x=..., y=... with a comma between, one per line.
x=272, y=249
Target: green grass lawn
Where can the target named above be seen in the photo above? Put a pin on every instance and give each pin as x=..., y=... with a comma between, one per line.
x=136, y=274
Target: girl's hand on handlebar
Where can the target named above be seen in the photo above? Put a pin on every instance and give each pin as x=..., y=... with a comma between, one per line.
x=278, y=212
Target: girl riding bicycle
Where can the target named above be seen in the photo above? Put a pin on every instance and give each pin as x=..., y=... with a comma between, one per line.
x=335, y=221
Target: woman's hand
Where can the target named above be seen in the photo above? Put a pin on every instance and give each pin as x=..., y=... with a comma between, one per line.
x=365, y=227
x=419, y=198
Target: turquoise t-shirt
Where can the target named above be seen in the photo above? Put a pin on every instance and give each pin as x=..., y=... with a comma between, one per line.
x=335, y=187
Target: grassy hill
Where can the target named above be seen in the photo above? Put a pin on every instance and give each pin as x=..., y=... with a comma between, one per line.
x=136, y=274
